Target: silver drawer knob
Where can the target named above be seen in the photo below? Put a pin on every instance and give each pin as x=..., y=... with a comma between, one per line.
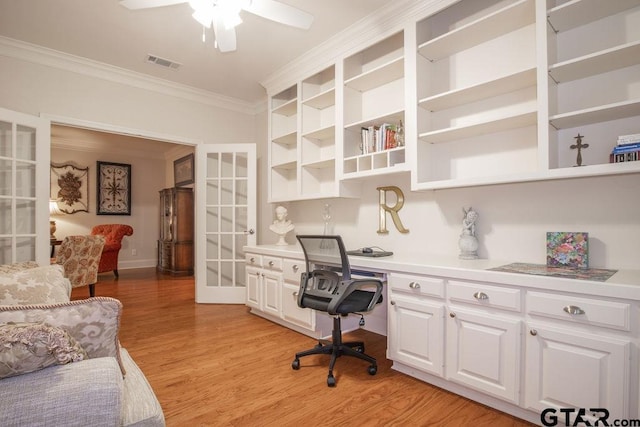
x=393, y=302
x=533, y=332
x=294, y=268
x=270, y=263
x=414, y=285
x=480, y=296
x=573, y=309
x=452, y=315
x=252, y=260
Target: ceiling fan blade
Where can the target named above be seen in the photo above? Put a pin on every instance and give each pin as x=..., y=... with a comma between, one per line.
x=148, y=4
x=280, y=12
x=225, y=38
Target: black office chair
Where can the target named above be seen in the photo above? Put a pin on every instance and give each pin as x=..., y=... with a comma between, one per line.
x=338, y=295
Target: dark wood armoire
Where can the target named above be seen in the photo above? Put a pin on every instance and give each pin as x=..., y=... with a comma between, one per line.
x=175, y=246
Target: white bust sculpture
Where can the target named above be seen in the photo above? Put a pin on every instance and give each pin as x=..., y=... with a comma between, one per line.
x=281, y=225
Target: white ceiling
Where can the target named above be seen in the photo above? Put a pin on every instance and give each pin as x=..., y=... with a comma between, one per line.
x=104, y=31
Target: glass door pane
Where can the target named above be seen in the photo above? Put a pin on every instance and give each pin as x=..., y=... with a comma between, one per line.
x=227, y=221
x=24, y=188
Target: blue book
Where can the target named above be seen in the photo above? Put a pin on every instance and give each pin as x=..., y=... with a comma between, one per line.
x=626, y=148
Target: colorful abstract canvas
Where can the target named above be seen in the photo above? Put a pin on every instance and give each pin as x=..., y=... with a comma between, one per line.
x=567, y=249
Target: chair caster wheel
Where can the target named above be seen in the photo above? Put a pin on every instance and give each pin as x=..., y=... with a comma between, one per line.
x=331, y=381
x=295, y=364
x=360, y=349
x=373, y=369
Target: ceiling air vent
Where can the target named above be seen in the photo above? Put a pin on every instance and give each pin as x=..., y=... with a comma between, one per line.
x=163, y=62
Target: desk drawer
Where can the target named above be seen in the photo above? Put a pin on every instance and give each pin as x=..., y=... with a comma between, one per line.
x=253, y=260
x=485, y=295
x=417, y=285
x=271, y=263
x=589, y=311
x=292, y=269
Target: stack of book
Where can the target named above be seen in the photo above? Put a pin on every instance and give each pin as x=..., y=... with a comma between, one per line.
x=378, y=138
x=627, y=150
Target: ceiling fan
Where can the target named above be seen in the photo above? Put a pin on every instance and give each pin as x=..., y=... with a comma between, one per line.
x=224, y=15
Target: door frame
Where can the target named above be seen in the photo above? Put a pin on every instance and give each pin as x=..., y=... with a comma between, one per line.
x=120, y=130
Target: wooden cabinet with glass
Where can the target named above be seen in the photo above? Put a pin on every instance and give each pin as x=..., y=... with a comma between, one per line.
x=175, y=245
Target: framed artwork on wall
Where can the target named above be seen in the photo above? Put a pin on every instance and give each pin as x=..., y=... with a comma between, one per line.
x=183, y=171
x=70, y=187
x=114, y=189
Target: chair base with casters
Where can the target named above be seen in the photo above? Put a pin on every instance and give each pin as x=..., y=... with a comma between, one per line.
x=327, y=286
x=337, y=348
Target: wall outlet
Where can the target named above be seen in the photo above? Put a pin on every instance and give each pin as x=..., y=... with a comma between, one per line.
x=134, y=252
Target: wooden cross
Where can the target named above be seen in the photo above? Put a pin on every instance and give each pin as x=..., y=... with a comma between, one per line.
x=579, y=145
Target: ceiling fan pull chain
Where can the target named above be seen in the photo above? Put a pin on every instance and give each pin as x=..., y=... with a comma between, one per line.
x=203, y=35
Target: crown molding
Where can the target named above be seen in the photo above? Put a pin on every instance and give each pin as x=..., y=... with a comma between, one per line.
x=52, y=58
x=377, y=25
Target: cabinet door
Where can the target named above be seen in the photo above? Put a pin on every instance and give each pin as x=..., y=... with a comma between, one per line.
x=572, y=369
x=253, y=287
x=271, y=283
x=416, y=333
x=483, y=352
x=291, y=312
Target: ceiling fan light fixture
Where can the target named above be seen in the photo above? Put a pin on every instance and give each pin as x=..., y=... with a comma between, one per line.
x=231, y=21
x=205, y=16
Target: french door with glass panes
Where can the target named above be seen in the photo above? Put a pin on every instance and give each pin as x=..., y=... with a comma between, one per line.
x=24, y=187
x=225, y=220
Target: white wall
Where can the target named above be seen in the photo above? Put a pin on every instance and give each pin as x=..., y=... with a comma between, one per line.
x=147, y=178
x=37, y=89
x=513, y=219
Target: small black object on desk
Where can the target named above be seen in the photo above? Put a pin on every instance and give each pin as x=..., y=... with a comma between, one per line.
x=370, y=252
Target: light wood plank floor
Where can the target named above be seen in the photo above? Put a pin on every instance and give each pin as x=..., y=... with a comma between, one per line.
x=219, y=365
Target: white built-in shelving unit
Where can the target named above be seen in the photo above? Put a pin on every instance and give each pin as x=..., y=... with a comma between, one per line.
x=318, y=139
x=477, y=94
x=594, y=74
x=494, y=91
x=373, y=96
x=283, y=145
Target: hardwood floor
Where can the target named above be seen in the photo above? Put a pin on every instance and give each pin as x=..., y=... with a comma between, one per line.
x=219, y=365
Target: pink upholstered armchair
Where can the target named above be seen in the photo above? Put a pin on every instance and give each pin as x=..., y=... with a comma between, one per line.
x=113, y=233
x=79, y=256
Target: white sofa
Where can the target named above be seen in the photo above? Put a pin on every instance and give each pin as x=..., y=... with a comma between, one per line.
x=85, y=377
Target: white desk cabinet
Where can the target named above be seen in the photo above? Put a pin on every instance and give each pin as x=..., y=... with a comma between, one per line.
x=416, y=322
x=518, y=343
x=303, y=317
x=483, y=352
x=272, y=293
x=264, y=283
x=579, y=341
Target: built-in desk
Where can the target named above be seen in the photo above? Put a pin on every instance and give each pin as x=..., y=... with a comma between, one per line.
x=519, y=343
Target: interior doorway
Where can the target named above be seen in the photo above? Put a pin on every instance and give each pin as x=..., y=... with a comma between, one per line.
x=151, y=158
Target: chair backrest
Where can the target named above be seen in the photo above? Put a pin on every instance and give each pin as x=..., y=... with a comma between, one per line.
x=325, y=250
x=113, y=233
x=324, y=288
x=80, y=257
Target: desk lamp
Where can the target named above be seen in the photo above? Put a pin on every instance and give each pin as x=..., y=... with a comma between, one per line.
x=54, y=210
